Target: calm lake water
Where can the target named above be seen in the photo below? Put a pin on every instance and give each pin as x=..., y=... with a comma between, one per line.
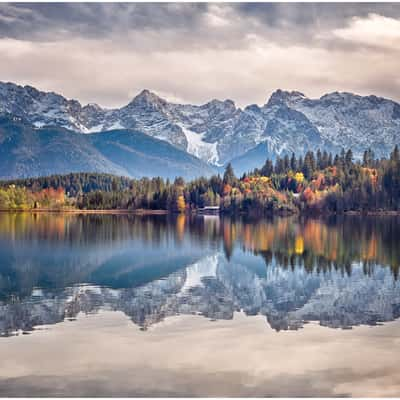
x=114, y=305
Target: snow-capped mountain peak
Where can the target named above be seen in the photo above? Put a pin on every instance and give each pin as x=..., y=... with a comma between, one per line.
x=218, y=131
x=146, y=98
x=280, y=97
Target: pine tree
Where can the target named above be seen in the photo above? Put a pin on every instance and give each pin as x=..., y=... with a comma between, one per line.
x=319, y=160
x=395, y=156
x=279, y=165
x=309, y=165
x=179, y=181
x=293, y=162
x=325, y=160
x=286, y=163
x=348, y=158
x=368, y=158
x=365, y=162
x=300, y=164
x=330, y=160
x=342, y=157
x=268, y=168
x=336, y=161
x=229, y=175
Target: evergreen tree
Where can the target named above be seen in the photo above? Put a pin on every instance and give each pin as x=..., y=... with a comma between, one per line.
x=267, y=168
x=279, y=165
x=324, y=160
x=395, y=156
x=330, y=160
x=300, y=164
x=348, y=158
x=229, y=176
x=319, y=160
x=293, y=162
x=336, y=161
x=286, y=163
x=309, y=165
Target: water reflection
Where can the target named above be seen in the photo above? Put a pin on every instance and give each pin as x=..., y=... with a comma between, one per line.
x=340, y=272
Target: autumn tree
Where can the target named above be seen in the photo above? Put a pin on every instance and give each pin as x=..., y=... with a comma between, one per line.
x=180, y=204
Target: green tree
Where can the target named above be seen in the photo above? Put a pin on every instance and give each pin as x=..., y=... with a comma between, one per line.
x=229, y=175
x=268, y=168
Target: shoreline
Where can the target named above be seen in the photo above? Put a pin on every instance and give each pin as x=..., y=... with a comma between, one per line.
x=382, y=213
x=77, y=211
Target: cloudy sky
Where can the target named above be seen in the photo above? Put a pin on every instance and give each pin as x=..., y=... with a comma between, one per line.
x=107, y=53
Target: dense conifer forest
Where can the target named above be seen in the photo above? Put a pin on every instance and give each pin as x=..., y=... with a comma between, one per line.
x=316, y=183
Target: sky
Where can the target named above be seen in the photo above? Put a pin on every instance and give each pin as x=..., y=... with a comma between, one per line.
x=106, y=53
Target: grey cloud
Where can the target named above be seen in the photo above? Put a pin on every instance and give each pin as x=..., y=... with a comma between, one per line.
x=50, y=21
x=107, y=52
x=285, y=23
x=315, y=15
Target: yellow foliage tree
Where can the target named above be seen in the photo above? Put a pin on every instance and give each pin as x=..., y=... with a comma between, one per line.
x=180, y=204
x=299, y=177
x=299, y=245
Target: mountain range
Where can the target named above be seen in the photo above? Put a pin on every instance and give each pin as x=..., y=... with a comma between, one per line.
x=213, y=288
x=43, y=132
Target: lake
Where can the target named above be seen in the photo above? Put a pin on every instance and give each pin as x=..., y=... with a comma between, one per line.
x=124, y=305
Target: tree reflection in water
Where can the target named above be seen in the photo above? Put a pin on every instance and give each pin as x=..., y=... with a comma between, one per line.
x=339, y=272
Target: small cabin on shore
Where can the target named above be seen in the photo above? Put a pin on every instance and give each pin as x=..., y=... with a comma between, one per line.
x=209, y=210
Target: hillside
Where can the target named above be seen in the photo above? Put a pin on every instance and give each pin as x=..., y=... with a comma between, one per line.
x=26, y=152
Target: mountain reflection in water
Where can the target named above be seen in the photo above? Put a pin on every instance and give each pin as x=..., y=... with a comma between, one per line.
x=339, y=272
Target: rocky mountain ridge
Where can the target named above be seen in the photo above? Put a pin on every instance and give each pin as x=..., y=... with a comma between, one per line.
x=216, y=289
x=218, y=131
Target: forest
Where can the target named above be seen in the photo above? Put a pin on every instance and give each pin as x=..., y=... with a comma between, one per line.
x=317, y=183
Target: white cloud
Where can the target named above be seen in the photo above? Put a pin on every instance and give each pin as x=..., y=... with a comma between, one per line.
x=374, y=30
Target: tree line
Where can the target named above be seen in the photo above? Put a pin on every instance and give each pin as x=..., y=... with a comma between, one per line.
x=317, y=182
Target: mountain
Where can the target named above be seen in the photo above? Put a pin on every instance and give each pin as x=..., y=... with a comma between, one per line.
x=213, y=288
x=26, y=152
x=218, y=132
x=348, y=120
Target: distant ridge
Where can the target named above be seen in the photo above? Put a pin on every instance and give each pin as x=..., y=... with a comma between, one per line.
x=29, y=152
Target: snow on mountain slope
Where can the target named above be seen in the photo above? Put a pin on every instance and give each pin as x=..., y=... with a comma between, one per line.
x=218, y=131
x=347, y=120
x=195, y=273
x=199, y=148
